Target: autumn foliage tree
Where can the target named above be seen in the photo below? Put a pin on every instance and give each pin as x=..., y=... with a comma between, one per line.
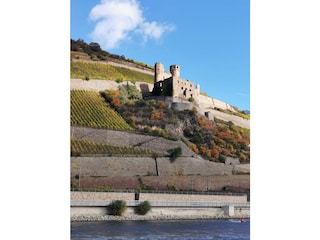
x=205, y=123
x=156, y=114
x=112, y=97
x=215, y=153
x=216, y=140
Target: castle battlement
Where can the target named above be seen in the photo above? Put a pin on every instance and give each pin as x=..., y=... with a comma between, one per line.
x=172, y=85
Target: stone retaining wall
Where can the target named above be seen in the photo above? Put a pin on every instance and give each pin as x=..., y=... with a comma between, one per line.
x=191, y=198
x=119, y=138
x=144, y=166
x=218, y=183
x=101, y=85
x=109, y=196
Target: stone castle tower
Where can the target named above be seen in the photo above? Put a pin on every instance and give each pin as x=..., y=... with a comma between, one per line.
x=175, y=70
x=172, y=85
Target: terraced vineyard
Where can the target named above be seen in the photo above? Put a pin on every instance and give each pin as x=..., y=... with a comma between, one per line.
x=80, y=147
x=103, y=71
x=89, y=109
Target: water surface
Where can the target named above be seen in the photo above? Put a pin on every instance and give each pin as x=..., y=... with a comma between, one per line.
x=200, y=229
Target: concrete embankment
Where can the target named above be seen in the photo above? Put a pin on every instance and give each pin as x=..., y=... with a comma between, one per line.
x=92, y=206
x=159, y=214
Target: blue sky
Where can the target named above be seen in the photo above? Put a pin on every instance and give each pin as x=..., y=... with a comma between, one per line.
x=209, y=39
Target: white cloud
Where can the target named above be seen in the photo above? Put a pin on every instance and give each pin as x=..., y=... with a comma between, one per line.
x=153, y=30
x=117, y=20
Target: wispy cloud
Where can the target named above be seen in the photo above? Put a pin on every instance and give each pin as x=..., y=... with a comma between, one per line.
x=117, y=20
x=243, y=94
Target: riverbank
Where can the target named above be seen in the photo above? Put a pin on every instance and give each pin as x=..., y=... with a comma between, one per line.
x=144, y=218
x=160, y=214
x=92, y=206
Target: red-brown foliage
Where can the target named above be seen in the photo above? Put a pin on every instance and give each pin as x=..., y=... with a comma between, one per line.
x=156, y=115
x=205, y=123
x=215, y=153
x=116, y=102
x=194, y=148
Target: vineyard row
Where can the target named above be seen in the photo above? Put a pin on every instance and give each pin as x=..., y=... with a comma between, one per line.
x=106, y=72
x=88, y=108
x=80, y=147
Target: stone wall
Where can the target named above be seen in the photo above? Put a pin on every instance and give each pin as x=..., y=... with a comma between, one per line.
x=232, y=161
x=207, y=102
x=199, y=183
x=126, y=196
x=101, y=85
x=181, y=106
x=159, y=73
x=119, y=138
x=144, y=166
x=191, y=198
x=216, y=183
x=238, y=121
x=184, y=89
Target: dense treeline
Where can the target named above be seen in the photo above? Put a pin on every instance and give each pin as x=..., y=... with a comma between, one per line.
x=94, y=51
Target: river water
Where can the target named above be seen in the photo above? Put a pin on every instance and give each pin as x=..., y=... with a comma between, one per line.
x=200, y=229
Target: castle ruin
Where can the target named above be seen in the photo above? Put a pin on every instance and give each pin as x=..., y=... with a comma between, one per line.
x=172, y=85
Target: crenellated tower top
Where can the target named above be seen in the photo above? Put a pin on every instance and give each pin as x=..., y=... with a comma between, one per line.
x=175, y=70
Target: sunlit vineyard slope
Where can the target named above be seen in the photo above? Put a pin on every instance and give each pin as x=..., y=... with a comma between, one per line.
x=89, y=109
x=95, y=70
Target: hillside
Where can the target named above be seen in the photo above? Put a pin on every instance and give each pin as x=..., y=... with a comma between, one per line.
x=90, y=62
x=125, y=110
x=89, y=109
x=100, y=70
x=80, y=50
x=118, y=135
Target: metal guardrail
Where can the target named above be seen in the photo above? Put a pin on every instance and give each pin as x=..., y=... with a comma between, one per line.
x=129, y=203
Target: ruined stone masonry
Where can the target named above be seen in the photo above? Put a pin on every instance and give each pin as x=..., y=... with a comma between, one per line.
x=172, y=85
